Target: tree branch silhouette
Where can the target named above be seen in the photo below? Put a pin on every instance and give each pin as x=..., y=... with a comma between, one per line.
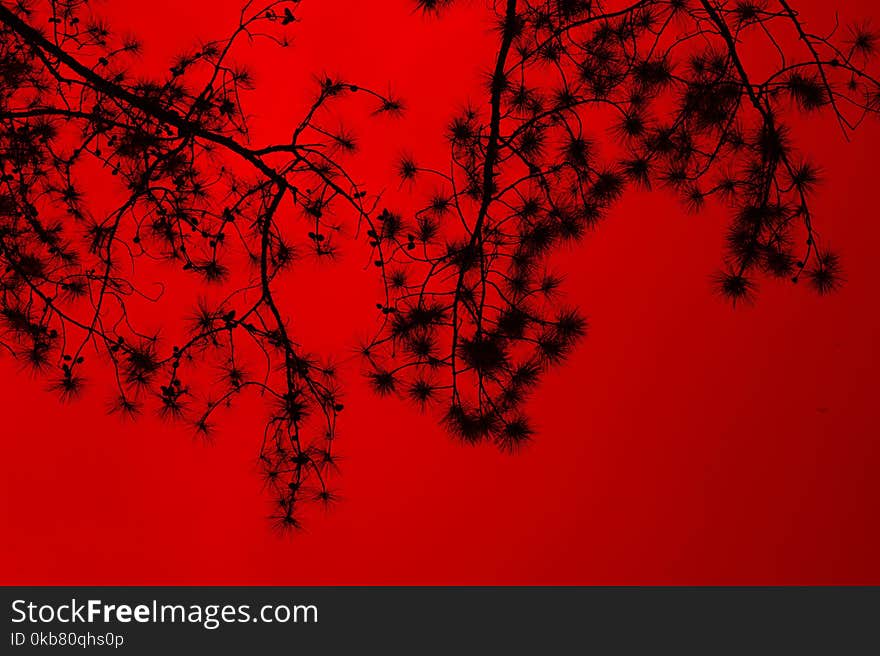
x=197, y=194
x=585, y=100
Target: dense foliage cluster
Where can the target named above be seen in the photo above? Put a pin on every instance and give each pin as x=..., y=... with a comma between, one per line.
x=584, y=100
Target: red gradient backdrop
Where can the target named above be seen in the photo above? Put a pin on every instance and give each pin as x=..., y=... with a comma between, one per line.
x=684, y=443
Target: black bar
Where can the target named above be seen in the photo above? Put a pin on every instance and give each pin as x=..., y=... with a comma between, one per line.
x=454, y=620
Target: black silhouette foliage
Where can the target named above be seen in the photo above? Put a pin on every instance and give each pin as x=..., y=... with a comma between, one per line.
x=585, y=100
x=196, y=194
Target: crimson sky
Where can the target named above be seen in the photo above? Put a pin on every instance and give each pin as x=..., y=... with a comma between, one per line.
x=684, y=443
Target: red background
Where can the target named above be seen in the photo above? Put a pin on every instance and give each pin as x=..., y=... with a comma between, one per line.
x=684, y=443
